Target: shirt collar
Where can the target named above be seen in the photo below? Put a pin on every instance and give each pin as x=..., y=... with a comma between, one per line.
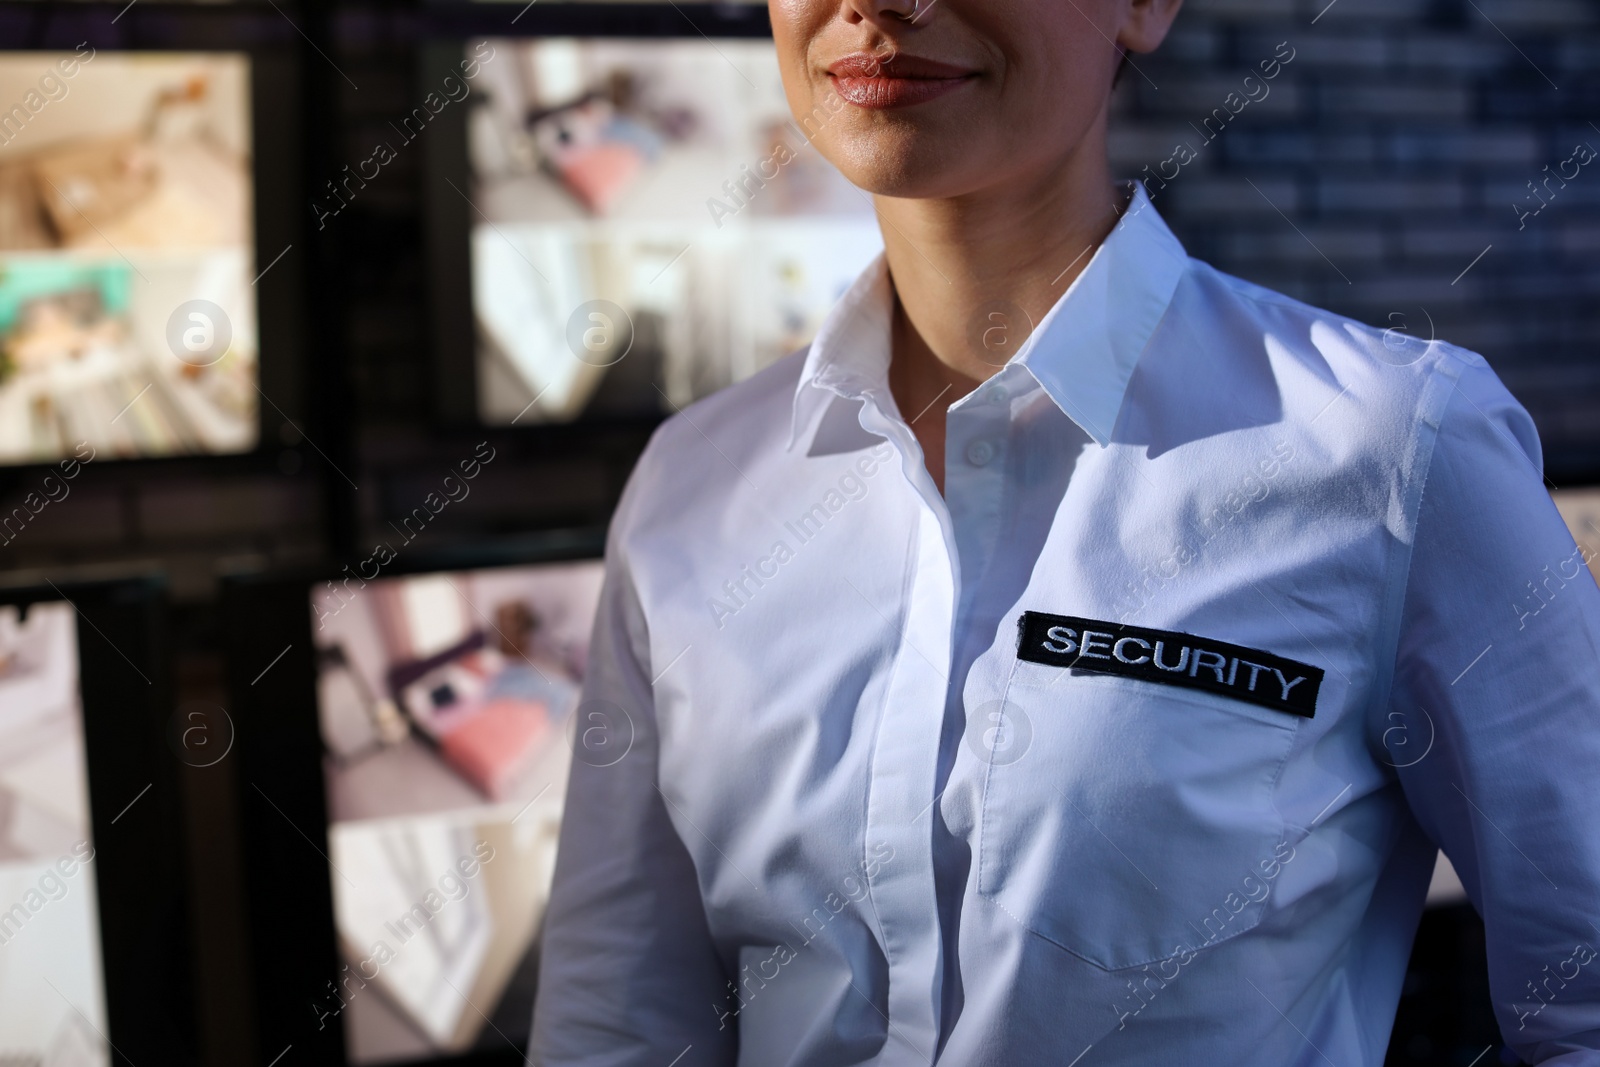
x=1082, y=353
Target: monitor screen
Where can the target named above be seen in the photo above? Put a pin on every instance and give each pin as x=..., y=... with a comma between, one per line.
x=127, y=306
x=446, y=706
x=1581, y=509
x=52, y=997
x=649, y=223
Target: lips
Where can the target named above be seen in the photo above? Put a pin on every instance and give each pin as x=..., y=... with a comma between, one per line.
x=878, y=82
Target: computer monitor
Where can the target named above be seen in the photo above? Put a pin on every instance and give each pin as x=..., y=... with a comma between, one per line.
x=419, y=738
x=639, y=219
x=93, y=954
x=146, y=268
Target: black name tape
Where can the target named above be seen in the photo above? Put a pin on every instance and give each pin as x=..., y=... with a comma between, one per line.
x=1170, y=658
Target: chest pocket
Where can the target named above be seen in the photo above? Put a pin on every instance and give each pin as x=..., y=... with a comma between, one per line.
x=1139, y=823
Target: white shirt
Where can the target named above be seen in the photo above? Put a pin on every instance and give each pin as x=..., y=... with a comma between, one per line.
x=827, y=810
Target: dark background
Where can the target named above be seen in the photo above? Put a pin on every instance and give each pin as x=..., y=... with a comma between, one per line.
x=1378, y=178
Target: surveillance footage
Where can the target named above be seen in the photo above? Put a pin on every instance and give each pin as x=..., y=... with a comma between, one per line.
x=52, y=1006
x=127, y=316
x=446, y=704
x=663, y=190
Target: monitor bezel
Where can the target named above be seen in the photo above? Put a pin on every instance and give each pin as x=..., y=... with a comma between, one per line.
x=446, y=31
x=282, y=793
x=272, y=47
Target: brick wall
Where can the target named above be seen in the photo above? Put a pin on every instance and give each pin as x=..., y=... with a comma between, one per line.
x=1382, y=160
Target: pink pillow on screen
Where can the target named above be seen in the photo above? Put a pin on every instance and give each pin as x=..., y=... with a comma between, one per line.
x=598, y=173
x=494, y=745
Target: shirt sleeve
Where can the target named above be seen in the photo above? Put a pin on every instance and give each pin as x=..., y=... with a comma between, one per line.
x=1497, y=679
x=628, y=973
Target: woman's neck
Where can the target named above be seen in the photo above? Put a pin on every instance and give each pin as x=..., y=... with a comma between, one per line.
x=973, y=273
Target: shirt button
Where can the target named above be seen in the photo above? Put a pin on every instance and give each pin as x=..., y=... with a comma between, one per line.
x=979, y=453
x=997, y=394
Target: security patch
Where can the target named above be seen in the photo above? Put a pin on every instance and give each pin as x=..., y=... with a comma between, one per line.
x=1170, y=658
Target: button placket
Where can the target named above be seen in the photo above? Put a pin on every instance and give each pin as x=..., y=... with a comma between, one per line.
x=976, y=438
x=904, y=764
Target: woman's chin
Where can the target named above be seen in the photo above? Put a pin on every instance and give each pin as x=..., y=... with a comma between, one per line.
x=912, y=168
